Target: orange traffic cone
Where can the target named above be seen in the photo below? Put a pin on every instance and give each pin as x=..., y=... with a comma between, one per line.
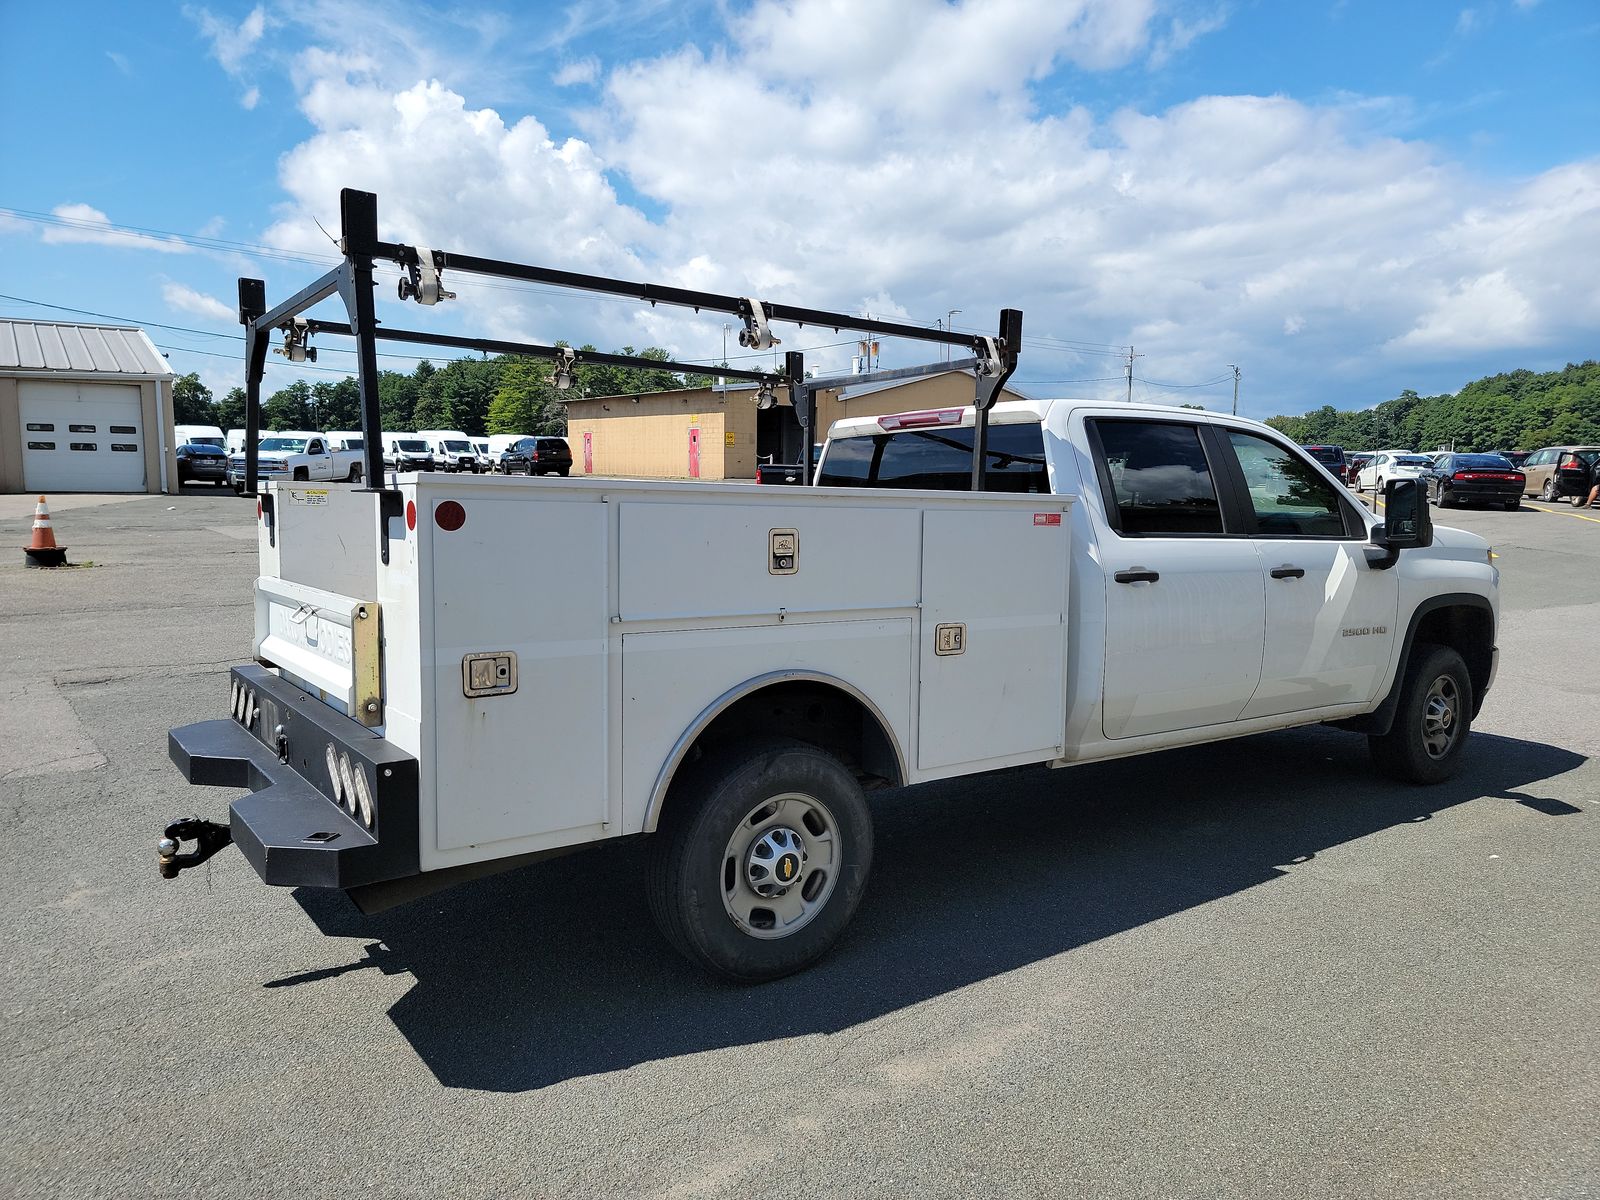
x=43, y=551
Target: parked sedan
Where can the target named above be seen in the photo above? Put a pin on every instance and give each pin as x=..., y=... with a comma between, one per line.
x=1352, y=467
x=201, y=462
x=535, y=456
x=1474, y=479
x=1560, y=473
x=1391, y=465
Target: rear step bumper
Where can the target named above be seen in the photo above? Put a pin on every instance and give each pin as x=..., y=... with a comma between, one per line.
x=314, y=775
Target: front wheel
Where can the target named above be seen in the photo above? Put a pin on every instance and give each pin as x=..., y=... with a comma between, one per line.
x=1432, y=721
x=301, y=475
x=1550, y=494
x=761, y=859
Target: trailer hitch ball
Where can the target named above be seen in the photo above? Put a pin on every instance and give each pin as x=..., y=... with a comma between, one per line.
x=209, y=837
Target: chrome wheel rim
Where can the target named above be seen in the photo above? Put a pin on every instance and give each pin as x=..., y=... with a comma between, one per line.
x=780, y=865
x=1441, y=717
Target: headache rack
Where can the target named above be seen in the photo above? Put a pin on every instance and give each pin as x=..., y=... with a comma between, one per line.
x=994, y=356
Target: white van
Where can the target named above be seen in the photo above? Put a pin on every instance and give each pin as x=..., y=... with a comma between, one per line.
x=407, y=452
x=346, y=439
x=200, y=435
x=499, y=443
x=452, y=450
x=485, y=463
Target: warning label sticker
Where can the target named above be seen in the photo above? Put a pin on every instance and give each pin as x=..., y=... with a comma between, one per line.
x=311, y=496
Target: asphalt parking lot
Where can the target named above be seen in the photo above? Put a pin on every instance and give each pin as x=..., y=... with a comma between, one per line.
x=1247, y=969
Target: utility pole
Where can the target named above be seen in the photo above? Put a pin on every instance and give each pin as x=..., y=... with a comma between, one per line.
x=722, y=380
x=950, y=325
x=1131, y=357
x=1235, y=371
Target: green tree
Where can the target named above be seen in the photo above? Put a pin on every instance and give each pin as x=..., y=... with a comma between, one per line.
x=191, y=401
x=289, y=407
x=397, y=400
x=230, y=409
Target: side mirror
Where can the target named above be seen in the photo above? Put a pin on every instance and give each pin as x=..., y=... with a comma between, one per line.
x=1407, y=523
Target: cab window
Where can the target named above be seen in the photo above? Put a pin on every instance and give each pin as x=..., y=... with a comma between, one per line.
x=1156, y=478
x=1290, y=497
x=939, y=459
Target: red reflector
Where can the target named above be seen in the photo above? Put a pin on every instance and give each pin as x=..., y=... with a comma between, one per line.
x=1047, y=518
x=449, y=516
x=758, y=474
x=258, y=510
x=411, y=514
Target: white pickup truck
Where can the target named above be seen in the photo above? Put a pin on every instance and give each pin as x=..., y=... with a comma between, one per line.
x=300, y=456
x=474, y=672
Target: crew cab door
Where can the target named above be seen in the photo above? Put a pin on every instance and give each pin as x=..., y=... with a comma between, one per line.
x=319, y=463
x=1185, y=600
x=1330, y=615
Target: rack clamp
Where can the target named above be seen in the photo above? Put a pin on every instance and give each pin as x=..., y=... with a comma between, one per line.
x=757, y=331
x=423, y=280
x=297, y=347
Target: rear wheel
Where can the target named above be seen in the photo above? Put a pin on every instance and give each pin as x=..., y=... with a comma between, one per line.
x=1579, y=500
x=1446, y=499
x=761, y=859
x=355, y=473
x=563, y=472
x=1432, y=721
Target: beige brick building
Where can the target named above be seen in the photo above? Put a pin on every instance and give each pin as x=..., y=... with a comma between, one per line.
x=715, y=433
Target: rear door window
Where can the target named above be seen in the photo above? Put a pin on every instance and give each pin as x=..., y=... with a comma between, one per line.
x=1157, y=478
x=939, y=459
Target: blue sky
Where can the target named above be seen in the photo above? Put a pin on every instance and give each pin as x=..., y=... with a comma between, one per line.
x=1345, y=199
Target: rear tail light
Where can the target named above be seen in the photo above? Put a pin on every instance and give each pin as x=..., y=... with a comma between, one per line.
x=1572, y=463
x=758, y=474
x=912, y=420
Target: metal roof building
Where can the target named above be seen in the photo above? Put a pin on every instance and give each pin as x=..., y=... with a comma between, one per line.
x=84, y=408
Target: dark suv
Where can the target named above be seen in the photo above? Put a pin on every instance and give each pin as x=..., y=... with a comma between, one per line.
x=535, y=456
x=1331, y=457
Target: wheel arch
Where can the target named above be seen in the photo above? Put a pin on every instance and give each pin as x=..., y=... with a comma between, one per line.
x=1464, y=621
x=812, y=707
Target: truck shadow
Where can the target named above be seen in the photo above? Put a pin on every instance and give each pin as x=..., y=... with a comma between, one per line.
x=555, y=972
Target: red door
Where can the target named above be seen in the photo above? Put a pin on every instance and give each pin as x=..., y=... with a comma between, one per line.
x=588, y=454
x=694, y=452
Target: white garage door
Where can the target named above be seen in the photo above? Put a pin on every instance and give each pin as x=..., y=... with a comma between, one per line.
x=81, y=437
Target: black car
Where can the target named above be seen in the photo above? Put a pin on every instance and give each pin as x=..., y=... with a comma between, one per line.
x=1474, y=479
x=201, y=462
x=535, y=456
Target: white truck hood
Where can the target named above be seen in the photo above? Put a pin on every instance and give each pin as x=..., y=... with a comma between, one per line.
x=1452, y=543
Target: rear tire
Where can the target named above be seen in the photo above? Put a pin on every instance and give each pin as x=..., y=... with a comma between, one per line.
x=1446, y=500
x=737, y=809
x=1579, y=499
x=563, y=472
x=1431, y=723
x=355, y=473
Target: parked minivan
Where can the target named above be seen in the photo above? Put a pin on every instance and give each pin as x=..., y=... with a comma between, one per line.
x=1559, y=473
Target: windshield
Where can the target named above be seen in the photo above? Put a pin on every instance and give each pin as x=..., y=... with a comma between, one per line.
x=1412, y=460
x=456, y=446
x=413, y=447
x=283, y=445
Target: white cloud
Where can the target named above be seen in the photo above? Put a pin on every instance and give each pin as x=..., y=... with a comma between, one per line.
x=1181, y=34
x=250, y=99
x=581, y=71
x=120, y=61
x=186, y=299
x=87, y=225
x=230, y=44
x=792, y=161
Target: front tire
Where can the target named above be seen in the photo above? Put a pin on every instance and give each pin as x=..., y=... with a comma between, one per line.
x=761, y=859
x=1431, y=723
x=301, y=475
x=1550, y=495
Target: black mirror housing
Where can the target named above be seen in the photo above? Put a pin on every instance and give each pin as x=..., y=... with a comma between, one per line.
x=1408, y=523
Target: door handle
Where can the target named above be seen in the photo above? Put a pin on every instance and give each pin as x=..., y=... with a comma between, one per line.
x=1137, y=576
x=1288, y=572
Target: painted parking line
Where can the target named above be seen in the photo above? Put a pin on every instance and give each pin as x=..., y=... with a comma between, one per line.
x=1556, y=512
